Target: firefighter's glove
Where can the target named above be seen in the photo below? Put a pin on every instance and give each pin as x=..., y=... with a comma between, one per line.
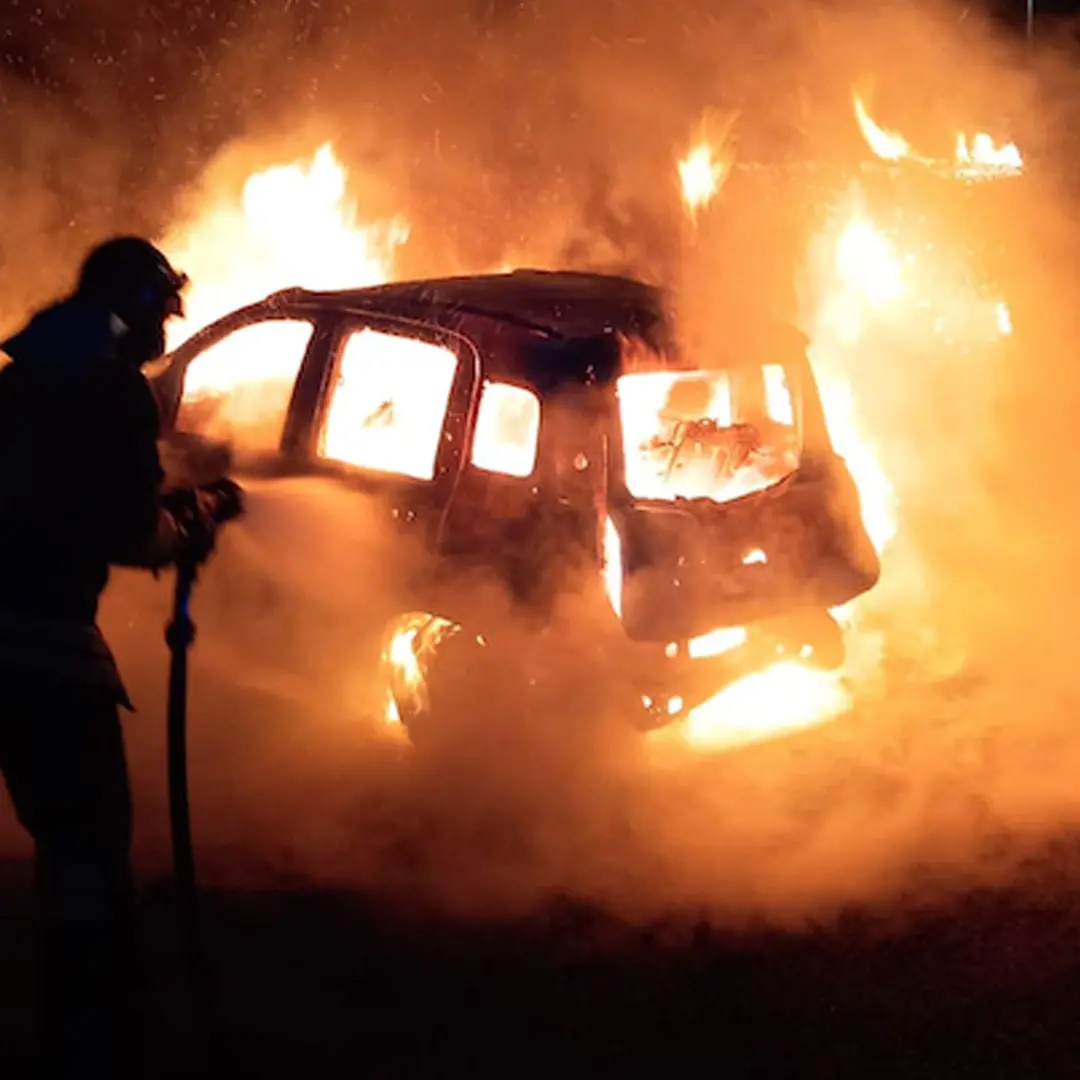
x=198, y=513
x=221, y=501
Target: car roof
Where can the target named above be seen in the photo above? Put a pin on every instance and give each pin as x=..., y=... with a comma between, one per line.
x=575, y=309
x=560, y=304
x=556, y=304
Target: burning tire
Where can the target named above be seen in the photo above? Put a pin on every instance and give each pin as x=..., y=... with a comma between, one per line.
x=434, y=672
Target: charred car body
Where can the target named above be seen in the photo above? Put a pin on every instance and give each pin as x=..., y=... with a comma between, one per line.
x=546, y=429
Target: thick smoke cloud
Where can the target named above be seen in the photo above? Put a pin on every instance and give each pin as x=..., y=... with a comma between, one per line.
x=546, y=132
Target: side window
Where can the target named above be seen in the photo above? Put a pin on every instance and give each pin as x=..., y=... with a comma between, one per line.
x=507, y=430
x=388, y=403
x=238, y=389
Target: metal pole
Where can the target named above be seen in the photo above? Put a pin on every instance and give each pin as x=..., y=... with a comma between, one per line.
x=1031, y=21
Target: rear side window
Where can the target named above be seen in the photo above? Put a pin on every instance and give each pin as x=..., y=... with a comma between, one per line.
x=507, y=430
x=238, y=389
x=388, y=403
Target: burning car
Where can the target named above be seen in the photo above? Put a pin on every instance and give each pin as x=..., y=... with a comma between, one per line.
x=548, y=431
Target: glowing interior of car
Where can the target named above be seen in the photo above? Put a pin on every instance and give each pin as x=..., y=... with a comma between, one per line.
x=238, y=389
x=707, y=434
x=388, y=403
x=507, y=430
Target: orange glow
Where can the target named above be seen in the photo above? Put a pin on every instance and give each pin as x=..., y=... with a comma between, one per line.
x=507, y=430
x=867, y=262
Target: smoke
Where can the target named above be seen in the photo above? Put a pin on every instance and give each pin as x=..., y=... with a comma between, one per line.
x=546, y=133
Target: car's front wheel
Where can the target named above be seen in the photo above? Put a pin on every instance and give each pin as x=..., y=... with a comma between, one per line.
x=436, y=674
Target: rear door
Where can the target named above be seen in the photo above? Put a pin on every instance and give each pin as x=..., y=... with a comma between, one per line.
x=727, y=503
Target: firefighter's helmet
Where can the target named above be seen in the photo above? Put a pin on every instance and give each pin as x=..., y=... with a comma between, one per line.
x=131, y=277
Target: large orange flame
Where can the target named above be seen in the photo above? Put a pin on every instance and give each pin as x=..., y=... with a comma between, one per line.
x=293, y=225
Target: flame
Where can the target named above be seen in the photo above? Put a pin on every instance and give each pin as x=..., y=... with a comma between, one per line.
x=701, y=174
x=888, y=145
x=782, y=699
x=983, y=154
x=611, y=566
x=401, y=653
x=979, y=157
x=292, y=225
x=415, y=635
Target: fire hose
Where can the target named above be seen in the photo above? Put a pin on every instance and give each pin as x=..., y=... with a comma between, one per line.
x=224, y=503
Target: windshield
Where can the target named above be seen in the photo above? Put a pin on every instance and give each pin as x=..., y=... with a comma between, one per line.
x=708, y=434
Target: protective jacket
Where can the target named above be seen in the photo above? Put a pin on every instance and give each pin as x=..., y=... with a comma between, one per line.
x=80, y=481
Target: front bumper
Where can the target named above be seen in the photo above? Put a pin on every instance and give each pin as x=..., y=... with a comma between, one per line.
x=675, y=679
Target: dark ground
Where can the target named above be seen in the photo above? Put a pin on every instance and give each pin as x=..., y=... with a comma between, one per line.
x=329, y=983
x=316, y=982
x=321, y=984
